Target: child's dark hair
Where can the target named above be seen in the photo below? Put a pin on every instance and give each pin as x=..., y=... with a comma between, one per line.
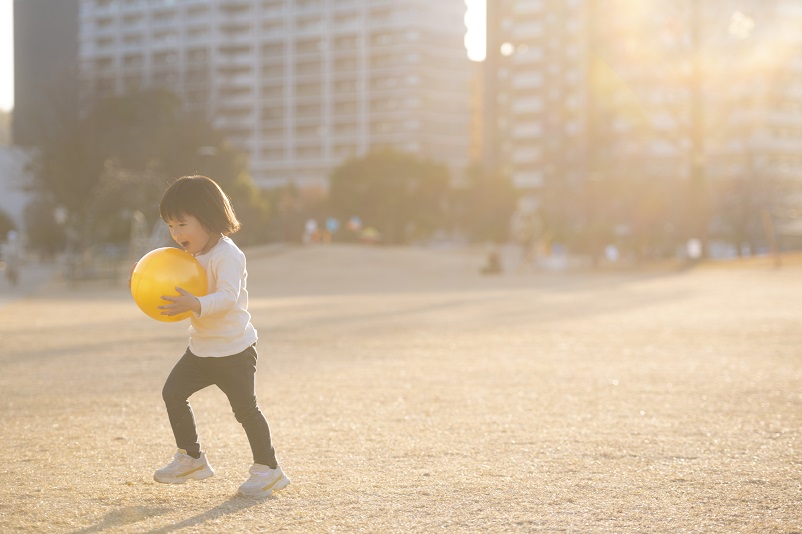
x=202, y=198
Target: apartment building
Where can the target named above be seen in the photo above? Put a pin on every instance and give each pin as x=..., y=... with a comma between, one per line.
x=298, y=85
x=576, y=88
x=535, y=80
x=45, y=63
x=778, y=57
x=584, y=88
x=752, y=94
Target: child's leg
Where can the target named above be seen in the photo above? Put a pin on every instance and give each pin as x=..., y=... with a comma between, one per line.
x=236, y=379
x=187, y=377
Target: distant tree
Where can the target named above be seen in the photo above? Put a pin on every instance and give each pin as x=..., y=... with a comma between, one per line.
x=120, y=155
x=401, y=195
x=292, y=207
x=484, y=206
x=43, y=231
x=743, y=199
x=6, y=224
x=252, y=206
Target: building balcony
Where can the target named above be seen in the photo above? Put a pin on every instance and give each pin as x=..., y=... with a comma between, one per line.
x=236, y=98
x=232, y=83
x=527, y=80
x=240, y=123
x=101, y=9
x=235, y=45
x=235, y=6
x=160, y=23
x=788, y=145
x=226, y=63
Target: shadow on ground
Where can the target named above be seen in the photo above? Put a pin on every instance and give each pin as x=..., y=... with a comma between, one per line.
x=231, y=506
x=122, y=517
x=134, y=514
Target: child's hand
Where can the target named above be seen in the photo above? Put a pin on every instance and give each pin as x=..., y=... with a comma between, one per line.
x=185, y=302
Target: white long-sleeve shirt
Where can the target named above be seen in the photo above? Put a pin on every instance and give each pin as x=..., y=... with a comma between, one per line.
x=223, y=327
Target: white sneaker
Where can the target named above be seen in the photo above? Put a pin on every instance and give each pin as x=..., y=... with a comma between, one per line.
x=264, y=481
x=183, y=468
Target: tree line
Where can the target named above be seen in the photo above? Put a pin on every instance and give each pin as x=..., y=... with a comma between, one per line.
x=93, y=170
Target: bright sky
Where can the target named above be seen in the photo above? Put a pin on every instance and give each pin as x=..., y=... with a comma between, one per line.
x=6, y=55
x=474, y=42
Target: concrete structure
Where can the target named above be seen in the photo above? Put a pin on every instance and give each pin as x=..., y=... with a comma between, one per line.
x=45, y=62
x=575, y=88
x=535, y=90
x=298, y=85
x=754, y=97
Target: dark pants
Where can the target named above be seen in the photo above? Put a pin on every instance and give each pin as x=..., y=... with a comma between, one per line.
x=234, y=375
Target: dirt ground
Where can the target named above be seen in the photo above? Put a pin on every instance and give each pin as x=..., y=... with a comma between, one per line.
x=407, y=393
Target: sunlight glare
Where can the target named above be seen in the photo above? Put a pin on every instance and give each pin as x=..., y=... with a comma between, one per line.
x=741, y=26
x=475, y=39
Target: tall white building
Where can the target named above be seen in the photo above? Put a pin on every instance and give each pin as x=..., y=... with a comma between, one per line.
x=577, y=87
x=535, y=88
x=299, y=85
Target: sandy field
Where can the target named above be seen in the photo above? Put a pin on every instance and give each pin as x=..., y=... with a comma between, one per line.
x=407, y=393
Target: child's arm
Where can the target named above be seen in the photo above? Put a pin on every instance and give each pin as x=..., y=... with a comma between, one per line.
x=228, y=274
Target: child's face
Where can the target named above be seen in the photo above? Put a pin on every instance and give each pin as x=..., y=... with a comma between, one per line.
x=193, y=237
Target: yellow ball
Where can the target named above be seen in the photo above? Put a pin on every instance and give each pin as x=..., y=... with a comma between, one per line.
x=158, y=273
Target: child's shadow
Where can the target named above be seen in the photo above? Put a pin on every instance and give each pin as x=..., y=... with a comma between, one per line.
x=122, y=517
x=134, y=514
x=232, y=505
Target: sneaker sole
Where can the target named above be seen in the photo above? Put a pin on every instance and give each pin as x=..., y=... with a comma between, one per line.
x=197, y=475
x=279, y=484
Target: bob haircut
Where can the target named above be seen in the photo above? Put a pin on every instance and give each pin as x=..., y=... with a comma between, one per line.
x=200, y=197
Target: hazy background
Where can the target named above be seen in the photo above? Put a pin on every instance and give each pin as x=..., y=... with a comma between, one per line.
x=475, y=44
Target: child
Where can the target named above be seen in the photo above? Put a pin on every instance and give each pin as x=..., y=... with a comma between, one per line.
x=222, y=340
